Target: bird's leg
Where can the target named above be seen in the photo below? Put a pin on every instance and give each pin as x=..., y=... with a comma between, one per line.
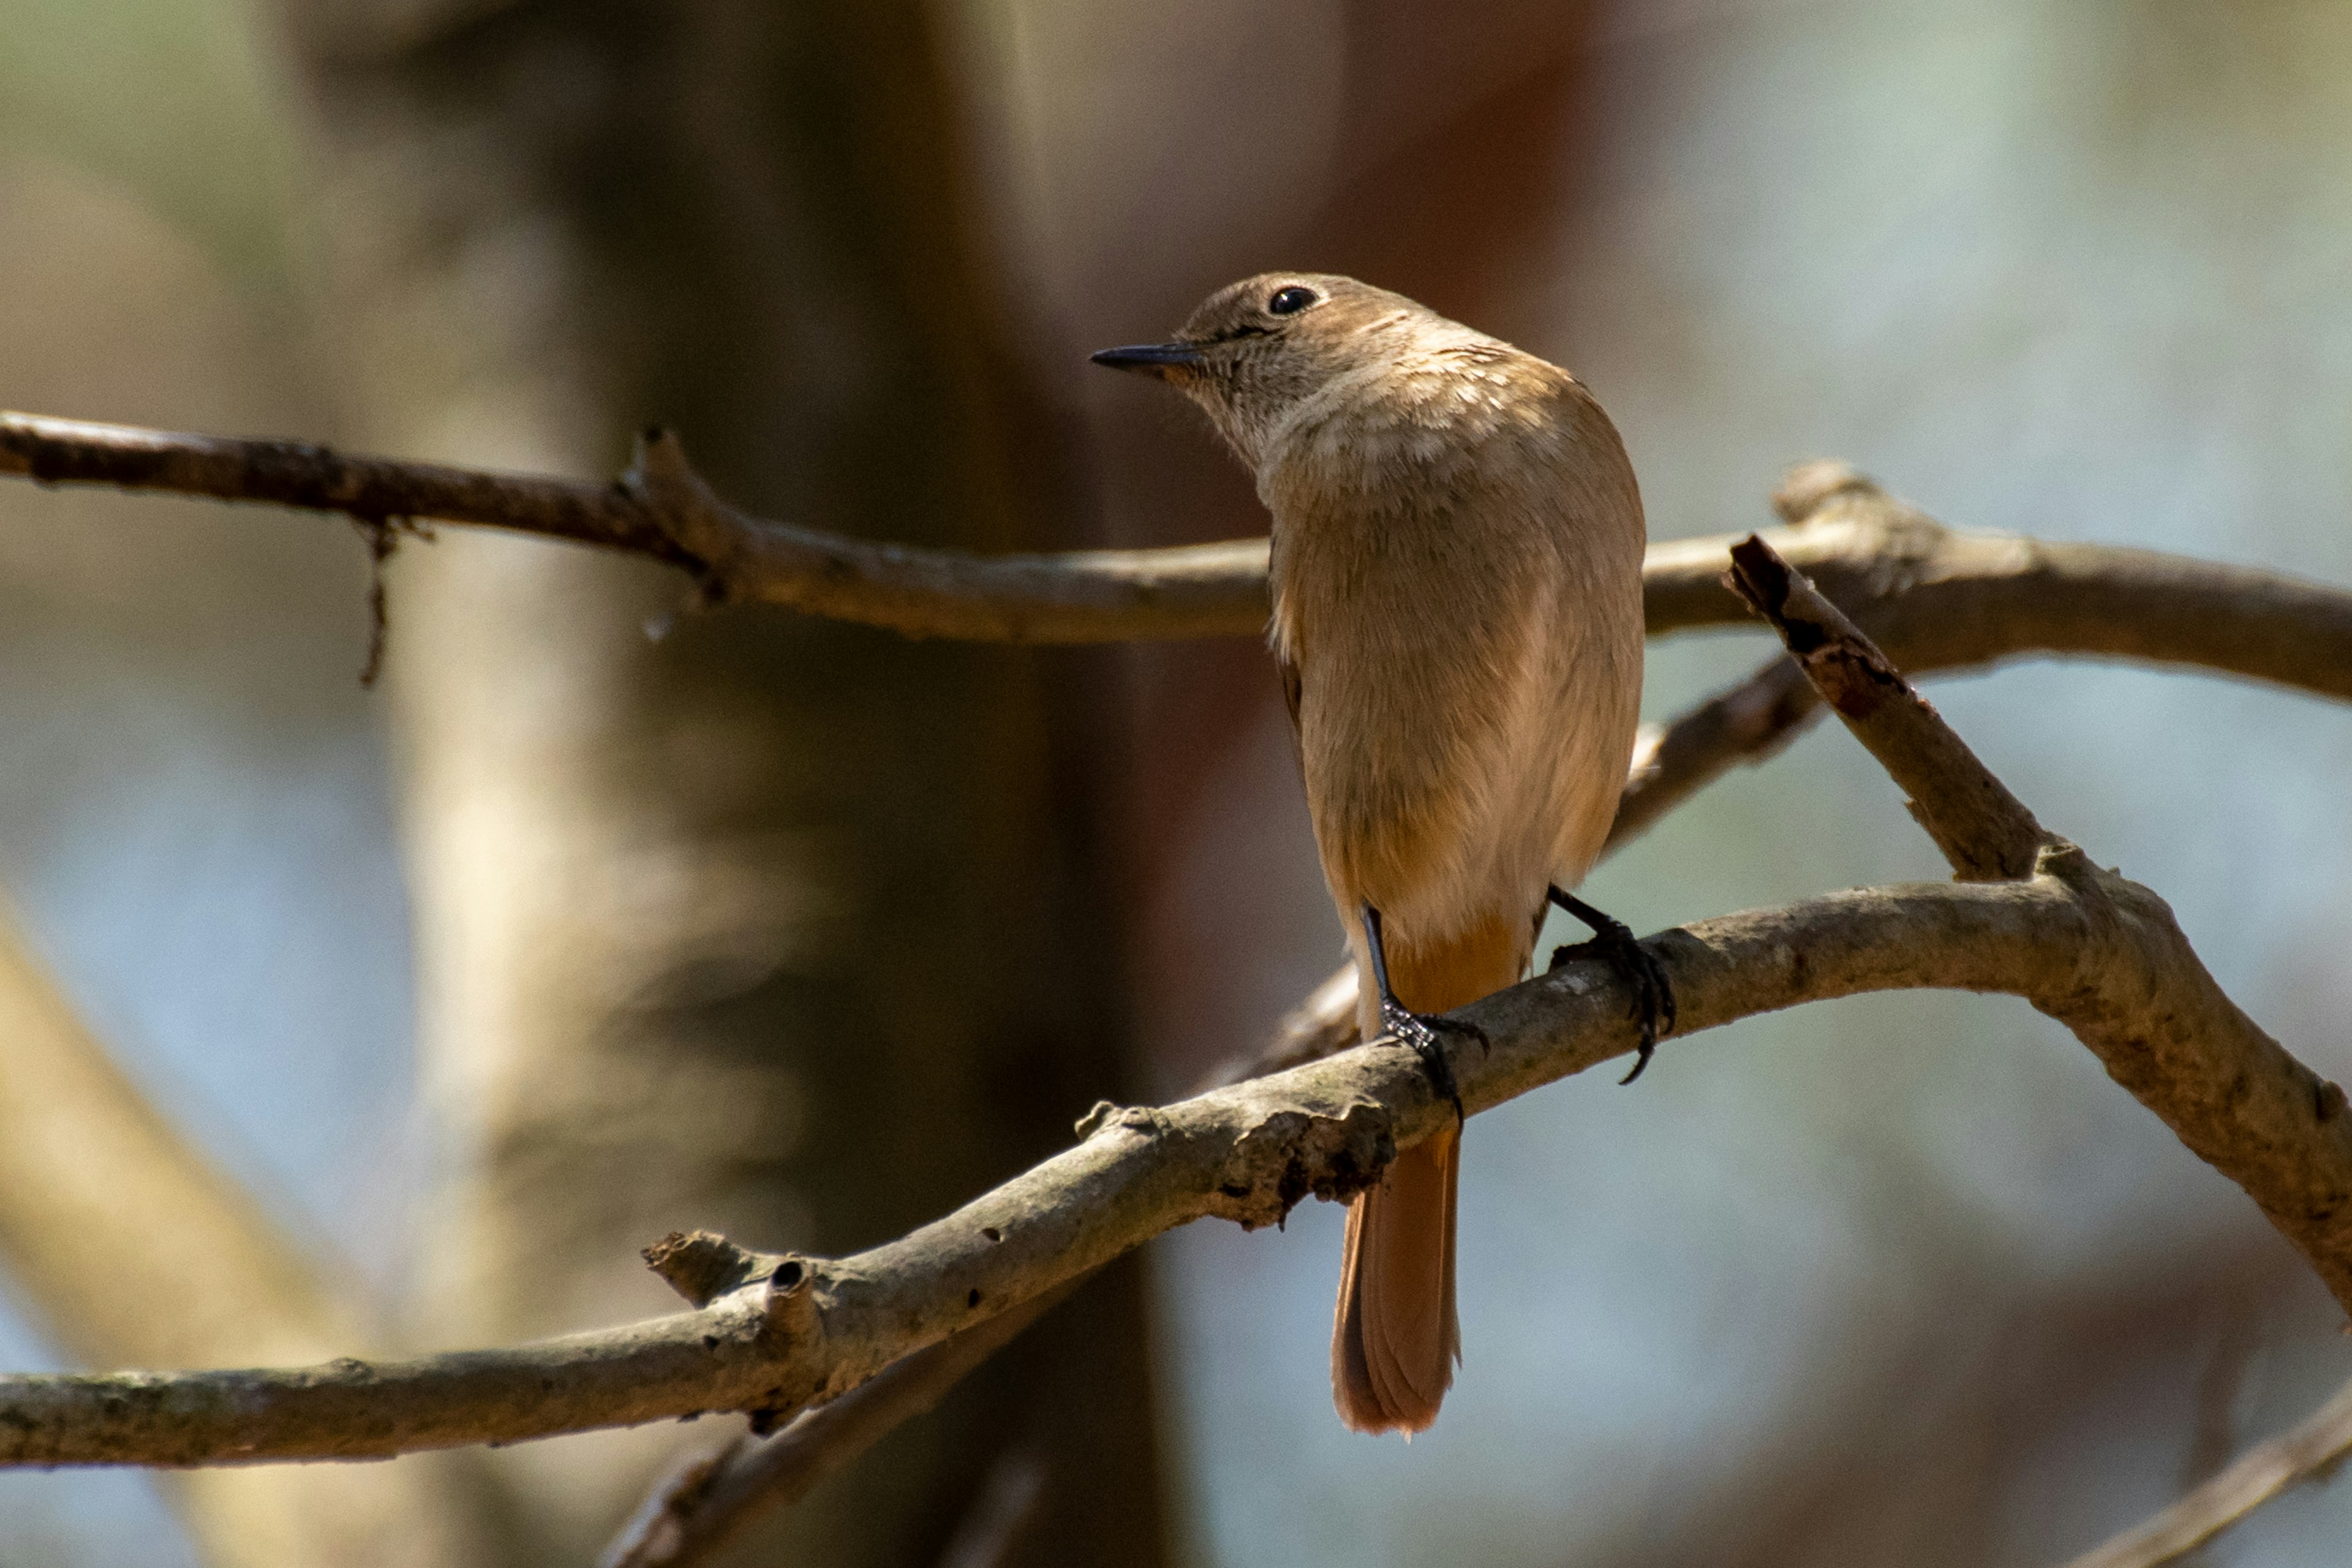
x=1653, y=995
x=1418, y=1030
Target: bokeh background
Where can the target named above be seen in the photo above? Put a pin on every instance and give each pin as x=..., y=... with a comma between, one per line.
x=599, y=917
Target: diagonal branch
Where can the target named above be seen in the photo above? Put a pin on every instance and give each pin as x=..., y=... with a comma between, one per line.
x=1985, y=832
x=2082, y=944
x=2231, y=1092
x=2310, y=1451
x=106, y=1209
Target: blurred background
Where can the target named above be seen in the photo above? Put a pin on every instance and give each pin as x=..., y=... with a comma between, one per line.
x=597, y=918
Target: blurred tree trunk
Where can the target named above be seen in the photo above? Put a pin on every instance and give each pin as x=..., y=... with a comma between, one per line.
x=782, y=928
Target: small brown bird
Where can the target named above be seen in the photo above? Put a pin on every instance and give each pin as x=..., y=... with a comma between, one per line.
x=1458, y=616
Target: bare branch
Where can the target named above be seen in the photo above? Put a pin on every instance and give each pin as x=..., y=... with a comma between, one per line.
x=1937, y=599
x=2083, y=945
x=659, y=509
x=2310, y=1452
x=1966, y=599
x=2231, y=1093
x=1983, y=830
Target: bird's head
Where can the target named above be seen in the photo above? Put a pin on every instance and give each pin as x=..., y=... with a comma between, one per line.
x=1258, y=352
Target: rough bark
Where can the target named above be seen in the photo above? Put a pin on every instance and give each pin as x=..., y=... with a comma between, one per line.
x=2085, y=946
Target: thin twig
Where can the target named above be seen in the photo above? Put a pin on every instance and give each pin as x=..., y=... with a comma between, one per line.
x=2310, y=1451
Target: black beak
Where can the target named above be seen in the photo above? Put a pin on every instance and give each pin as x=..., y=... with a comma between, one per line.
x=1154, y=360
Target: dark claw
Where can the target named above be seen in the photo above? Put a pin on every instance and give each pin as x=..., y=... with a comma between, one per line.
x=1420, y=1031
x=1614, y=943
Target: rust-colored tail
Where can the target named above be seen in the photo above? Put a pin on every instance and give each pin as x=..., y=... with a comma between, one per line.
x=1395, y=1339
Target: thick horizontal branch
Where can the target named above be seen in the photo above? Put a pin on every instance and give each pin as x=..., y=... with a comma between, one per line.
x=1936, y=598
x=1967, y=597
x=2082, y=944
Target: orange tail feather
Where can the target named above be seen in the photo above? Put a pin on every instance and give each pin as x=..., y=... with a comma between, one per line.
x=1395, y=1339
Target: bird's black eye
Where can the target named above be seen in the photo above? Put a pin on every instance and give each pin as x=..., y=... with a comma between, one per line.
x=1291, y=301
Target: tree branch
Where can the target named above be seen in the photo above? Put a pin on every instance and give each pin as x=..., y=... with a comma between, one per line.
x=1966, y=599
x=2081, y=944
x=2085, y=946
x=658, y=508
x=2310, y=1452
x=1985, y=832
x=2234, y=1095
x=2230, y=1093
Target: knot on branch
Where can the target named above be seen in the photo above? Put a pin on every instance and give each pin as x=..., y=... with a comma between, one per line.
x=687, y=512
x=1293, y=1154
x=1872, y=546
x=1807, y=488
x=1141, y=1119
x=2135, y=977
x=703, y=1266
